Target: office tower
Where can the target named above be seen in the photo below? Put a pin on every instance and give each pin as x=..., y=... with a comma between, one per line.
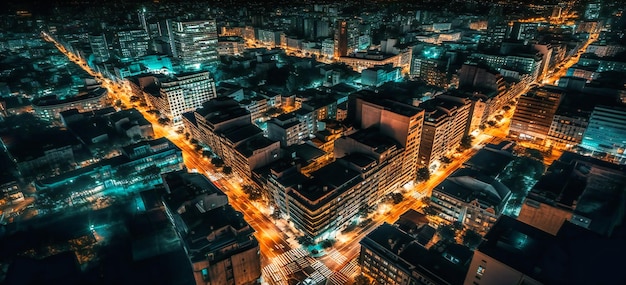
x=524, y=31
x=99, y=47
x=133, y=43
x=195, y=43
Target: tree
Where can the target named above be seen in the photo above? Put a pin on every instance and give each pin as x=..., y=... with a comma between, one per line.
x=218, y=162
x=446, y=232
x=466, y=142
x=253, y=193
x=163, y=121
x=227, y=170
x=429, y=210
x=361, y=280
x=471, y=238
x=397, y=197
x=423, y=174
x=457, y=226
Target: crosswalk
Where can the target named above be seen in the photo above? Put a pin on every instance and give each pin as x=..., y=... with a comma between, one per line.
x=296, y=260
x=351, y=269
x=337, y=279
x=336, y=256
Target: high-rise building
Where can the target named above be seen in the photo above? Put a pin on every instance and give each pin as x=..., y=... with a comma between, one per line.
x=399, y=121
x=592, y=10
x=195, y=43
x=524, y=31
x=445, y=124
x=346, y=37
x=133, y=43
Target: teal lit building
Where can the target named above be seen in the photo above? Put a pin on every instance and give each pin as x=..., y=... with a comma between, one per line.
x=606, y=133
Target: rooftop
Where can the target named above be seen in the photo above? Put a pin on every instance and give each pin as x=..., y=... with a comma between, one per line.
x=587, y=186
x=468, y=185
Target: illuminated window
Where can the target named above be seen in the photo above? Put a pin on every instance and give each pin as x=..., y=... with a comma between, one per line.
x=480, y=271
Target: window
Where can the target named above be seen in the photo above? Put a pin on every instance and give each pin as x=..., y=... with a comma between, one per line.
x=480, y=271
x=205, y=274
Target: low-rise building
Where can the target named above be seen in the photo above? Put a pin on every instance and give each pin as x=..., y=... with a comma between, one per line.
x=391, y=256
x=470, y=197
x=49, y=107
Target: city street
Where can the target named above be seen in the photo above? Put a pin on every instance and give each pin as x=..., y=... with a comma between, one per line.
x=279, y=250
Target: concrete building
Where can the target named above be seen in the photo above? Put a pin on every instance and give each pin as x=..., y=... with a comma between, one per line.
x=226, y=128
x=219, y=243
x=516, y=253
x=581, y=190
x=174, y=95
x=50, y=107
x=133, y=43
x=445, y=125
x=99, y=48
x=138, y=167
x=195, y=43
x=399, y=121
x=230, y=46
x=287, y=129
x=534, y=113
x=391, y=256
x=470, y=197
x=363, y=60
x=378, y=75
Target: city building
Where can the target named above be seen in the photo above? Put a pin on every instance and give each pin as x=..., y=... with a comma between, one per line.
x=138, y=167
x=606, y=132
x=368, y=59
x=51, y=151
x=218, y=241
x=173, y=95
x=195, y=43
x=230, y=45
x=399, y=121
x=391, y=256
x=226, y=128
x=346, y=37
x=445, y=125
x=378, y=75
x=99, y=48
x=471, y=197
x=287, y=129
x=49, y=107
x=517, y=253
x=133, y=43
x=577, y=189
x=534, y=114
